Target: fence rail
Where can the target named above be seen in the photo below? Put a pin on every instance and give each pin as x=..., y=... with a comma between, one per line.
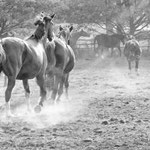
x=84, y=44
x=85, y=48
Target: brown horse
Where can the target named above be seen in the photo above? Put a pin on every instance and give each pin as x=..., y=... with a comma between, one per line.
x=65, y=34
x=108, y=41
x=132, y=52
x=61, y=60
x=74, y=38
x=3, y=35
x=23, y=60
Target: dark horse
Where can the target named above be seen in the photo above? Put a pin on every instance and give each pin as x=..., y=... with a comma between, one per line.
x=108, y=41
x=132, y=52
x=61, y=61
x=23, y=60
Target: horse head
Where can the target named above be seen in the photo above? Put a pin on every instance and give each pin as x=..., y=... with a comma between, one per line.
x=84, y=33
x=123, y=38
x=49, y=26
x=40, y=31
x=65, y=33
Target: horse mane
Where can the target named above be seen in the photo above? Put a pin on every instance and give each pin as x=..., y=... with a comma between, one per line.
x=39, y=33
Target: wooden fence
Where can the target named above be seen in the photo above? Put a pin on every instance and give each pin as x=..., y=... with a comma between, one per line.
x=85, y=47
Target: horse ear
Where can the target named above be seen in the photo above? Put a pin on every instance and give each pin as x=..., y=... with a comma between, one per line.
x=52, y=16
x=60, y=28
x=71, y=28
x=42, y=14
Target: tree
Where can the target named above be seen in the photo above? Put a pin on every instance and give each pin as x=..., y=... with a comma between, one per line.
x=14, y=14
x=130, y=15
x=133, y=15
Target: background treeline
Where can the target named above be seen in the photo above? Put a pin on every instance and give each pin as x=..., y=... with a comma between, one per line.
x=130, y=16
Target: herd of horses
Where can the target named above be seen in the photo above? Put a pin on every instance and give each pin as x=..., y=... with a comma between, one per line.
x=47, y=55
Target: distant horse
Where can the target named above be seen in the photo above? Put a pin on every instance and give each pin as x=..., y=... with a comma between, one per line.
x=74, y=38
x=132, y=52
x=65, y=33
x=23, y=60
x=109, y=41
x=61, y=61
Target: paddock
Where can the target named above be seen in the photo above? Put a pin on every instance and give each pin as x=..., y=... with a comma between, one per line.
x=107, y=109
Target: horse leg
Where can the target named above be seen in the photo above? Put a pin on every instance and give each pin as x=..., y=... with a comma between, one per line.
x=41, y=84
x=96, y=51
x=66, y=85
x=136, y=67
x=129, y=64
x=60, y=89
x=50, y=81
x=5, y=80
x=112, y=52
x=57, y=79
x=119, y=50
x=10, y=86
x=102, y=52
x=27, y=93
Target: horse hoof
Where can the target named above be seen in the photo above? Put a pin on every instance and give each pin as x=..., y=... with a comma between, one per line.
x=37, y=108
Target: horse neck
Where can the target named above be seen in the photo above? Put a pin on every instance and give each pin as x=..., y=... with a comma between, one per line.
x=44, y=40
x=38, y=36
x=76, y=36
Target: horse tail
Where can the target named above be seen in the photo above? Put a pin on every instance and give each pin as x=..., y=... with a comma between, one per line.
x=71, y=62
x=2, y=55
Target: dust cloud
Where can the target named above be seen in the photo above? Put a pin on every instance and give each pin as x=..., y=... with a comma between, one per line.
x=50, y=115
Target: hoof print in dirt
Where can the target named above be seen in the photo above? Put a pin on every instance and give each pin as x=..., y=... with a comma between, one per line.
x=138, y=121
x=117, y=145
x=87, y=140
x=98, y=131
x=122, y=121
x=105, y=122
x=90, y=148
x=126, y=103
x=113, y=120
x=25, y=129
x=146, y=99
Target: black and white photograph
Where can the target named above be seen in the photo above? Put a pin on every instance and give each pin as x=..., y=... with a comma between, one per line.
x=74, y=74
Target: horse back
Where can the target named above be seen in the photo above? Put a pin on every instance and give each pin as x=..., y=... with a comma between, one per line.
x=64, y=56
x=108, y=41
x=132, y=50
x=22, y=61
x=35, y=61
x=71, y=60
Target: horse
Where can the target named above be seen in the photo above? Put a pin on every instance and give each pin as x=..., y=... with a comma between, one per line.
x=3, y=35
x=74, y=38
x=109, y=41
x=61, y=61
x=24, y=60
x=132, y=52
x=65, y=33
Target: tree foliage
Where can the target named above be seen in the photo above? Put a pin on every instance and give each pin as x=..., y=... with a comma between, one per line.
x=14, y=13
x=131, y=15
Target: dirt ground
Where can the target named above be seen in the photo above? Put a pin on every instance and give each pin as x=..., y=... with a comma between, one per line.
x=107, y=110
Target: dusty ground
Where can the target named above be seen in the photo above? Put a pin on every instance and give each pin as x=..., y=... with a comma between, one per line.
x=107, y=110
